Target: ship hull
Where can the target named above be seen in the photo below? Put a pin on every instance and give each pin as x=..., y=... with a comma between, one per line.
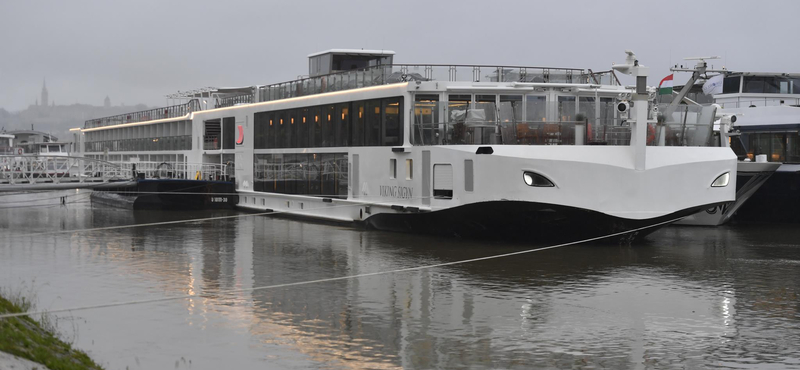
x=523, y=221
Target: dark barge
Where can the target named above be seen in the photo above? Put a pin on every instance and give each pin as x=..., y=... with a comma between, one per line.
x=168, y=194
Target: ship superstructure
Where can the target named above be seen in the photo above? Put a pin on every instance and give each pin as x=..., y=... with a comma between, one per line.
x=469, y=150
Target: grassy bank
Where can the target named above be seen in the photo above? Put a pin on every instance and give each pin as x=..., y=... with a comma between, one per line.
x=26, y=338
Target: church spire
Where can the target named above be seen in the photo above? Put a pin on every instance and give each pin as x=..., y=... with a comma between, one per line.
x=44, y=93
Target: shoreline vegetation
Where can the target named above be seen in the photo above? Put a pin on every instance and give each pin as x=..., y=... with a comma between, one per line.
x=37, y=341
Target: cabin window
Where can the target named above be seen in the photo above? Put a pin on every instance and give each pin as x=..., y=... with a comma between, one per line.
x=426, y=119
x=330, y=125
x=792, y=148
x=510, y=108
x=392, y=124
x=341, y=125
x=315, y=127
x=342, y=179
x=328, y=185
x=566, y=108
x=279, y=129
x=409, y=169
x=730, y=85
x=392, y=168
x=292, y=124
x=312, y=170
x=372, y=124
x=778, y=149
x=357, y=124
x=302, y=124
x=259, y=134
x=535, y=108
x=228, y=133
x=773, y=145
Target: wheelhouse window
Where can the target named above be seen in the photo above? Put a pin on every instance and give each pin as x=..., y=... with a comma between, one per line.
x=767, y=85
x=730, y=85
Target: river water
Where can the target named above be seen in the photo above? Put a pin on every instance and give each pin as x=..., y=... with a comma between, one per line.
x=687, y=297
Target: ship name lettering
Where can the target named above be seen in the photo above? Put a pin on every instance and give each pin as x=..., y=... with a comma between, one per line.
x=401, y=192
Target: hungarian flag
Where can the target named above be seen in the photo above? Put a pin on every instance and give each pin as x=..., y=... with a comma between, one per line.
x=665, y=86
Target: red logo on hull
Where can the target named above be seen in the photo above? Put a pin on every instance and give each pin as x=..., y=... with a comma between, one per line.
x=240, y=139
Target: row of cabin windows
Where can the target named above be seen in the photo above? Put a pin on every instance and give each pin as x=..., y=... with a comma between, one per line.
x=376, y=122
x=778, y=146
x=150, y=144
x=320, y=174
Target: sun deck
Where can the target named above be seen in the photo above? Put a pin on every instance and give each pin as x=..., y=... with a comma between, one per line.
x=341, y=80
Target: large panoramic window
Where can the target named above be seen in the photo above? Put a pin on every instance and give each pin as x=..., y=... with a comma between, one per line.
x=377, y=122
x=319, y=174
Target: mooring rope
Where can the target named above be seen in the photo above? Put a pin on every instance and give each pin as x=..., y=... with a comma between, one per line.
x=285, y=285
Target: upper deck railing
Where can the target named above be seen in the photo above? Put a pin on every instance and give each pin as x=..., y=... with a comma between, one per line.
x=395, y=73
x=146, y=115
x=374, y=76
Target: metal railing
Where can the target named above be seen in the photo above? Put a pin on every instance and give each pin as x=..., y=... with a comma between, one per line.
x=40, y=169
x=37, y=169
x=761, y=102
x=211, y=142
x=180, y=170
x=146, y=115
x=396, y=73
x=230, y=101
x=374, y=76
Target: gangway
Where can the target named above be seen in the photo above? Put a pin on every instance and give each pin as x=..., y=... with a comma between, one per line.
x=54, y=172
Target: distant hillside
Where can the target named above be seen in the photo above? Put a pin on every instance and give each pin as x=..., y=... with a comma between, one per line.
x=58, y=119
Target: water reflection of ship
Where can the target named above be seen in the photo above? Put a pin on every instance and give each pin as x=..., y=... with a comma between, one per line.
x=457, y=315
x=415, y=315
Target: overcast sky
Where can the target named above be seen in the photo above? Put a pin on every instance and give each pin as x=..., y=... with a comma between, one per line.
x=139, y=51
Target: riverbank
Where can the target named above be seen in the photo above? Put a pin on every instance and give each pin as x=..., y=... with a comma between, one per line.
x=26, y=338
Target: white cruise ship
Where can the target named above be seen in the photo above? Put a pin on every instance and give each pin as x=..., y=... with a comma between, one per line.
x=467, y=150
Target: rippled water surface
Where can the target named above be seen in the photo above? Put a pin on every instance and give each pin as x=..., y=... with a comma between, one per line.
x=687, y=298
